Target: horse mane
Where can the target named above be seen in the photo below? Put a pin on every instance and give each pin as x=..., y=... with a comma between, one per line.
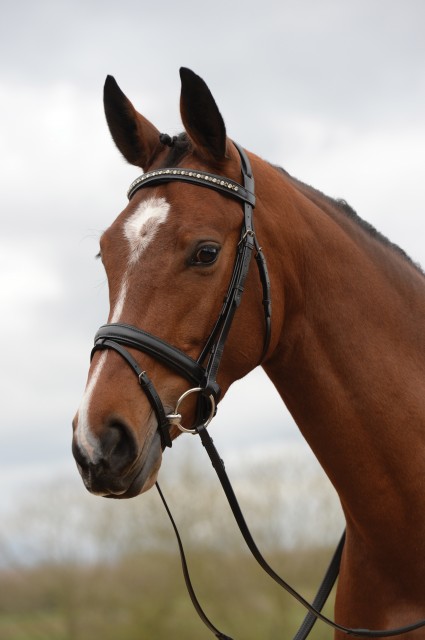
x=342, y=206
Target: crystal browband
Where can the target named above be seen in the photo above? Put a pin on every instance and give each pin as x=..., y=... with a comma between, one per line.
x=192, y=176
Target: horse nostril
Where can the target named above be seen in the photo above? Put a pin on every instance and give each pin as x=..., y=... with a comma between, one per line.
x=119, y=446
x=112, y=451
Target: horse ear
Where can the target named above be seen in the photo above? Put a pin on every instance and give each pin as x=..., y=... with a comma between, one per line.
x=134, y=136
x=201, y=117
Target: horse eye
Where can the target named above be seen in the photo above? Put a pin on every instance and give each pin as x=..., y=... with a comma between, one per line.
x=207, y=254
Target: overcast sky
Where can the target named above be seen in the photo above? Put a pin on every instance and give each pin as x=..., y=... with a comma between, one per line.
x=333, y=90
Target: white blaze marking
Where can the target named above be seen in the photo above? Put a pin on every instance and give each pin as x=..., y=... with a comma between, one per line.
x=139, y=230
x=142, y=225
x=87, y=442
x=119, y=305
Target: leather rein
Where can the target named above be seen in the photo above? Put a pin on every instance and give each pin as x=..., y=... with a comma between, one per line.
x=202, y=372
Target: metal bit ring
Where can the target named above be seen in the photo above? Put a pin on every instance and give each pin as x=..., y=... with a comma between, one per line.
x=175, y=417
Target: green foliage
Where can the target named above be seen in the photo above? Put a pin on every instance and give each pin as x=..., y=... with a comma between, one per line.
x=142, y=597
x=77, y=567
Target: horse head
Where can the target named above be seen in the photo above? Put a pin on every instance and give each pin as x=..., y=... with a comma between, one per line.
x=169, y=257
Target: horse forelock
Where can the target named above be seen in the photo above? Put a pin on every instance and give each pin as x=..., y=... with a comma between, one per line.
x=180, y=148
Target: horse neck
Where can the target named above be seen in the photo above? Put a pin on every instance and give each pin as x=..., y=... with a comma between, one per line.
x=348, y=360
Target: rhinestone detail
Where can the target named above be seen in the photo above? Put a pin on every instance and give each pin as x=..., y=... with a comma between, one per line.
x=227, y=184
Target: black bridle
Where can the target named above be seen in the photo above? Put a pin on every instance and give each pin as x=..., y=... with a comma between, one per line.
x=117, y=336
x=114, y=336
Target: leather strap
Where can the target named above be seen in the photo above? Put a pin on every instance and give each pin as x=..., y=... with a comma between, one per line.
x=267, y=303
x=323, y=592
x=145, y=383
x=160, y=349
x=246, y=246
x=314, y=613
x=191, y=591
x=192, y=176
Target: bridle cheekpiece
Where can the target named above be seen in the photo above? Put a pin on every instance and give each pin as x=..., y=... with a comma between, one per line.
x=203, y=371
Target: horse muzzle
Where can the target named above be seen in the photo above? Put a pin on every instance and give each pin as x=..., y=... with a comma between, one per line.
x=116, y=470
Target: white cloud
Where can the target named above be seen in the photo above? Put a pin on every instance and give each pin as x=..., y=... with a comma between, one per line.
x=27, y=280
x=58, y=160
x=378, y=172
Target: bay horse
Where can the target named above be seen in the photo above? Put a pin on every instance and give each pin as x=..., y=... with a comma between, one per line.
x=345, y=347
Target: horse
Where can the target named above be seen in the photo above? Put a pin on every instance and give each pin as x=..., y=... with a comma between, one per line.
x=344, y=346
